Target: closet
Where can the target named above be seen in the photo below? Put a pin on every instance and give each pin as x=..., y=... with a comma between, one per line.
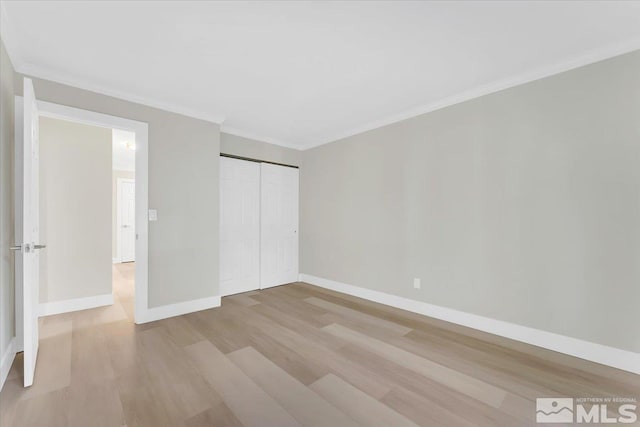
x=258, y=225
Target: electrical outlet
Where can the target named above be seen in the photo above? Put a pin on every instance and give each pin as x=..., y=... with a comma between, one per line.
x=416, y=283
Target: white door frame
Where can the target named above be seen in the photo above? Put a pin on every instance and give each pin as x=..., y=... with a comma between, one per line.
x=141, y=130
x=119, y=182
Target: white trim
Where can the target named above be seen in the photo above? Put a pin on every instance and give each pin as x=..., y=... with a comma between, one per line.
x=7, y=360
x=610, y=356
x=256, y=137
x=141, y=129
x=496, y=86
x=76, y=304
x=87, y=117
x=178, y=309
x=18, y=153
x=577, y=61
x=539, y=73
x=45, y=74
x=116, y=260
x=119, y=182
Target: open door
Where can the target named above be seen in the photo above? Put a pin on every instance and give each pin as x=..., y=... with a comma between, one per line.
x=30, y=232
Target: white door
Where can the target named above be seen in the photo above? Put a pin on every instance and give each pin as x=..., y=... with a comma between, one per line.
x=239, y=226
x=278, y=225
x=30, y=245
x=127, y=220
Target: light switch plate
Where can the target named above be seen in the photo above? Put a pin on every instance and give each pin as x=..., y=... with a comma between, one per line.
x=416, y=283
x=153, y=215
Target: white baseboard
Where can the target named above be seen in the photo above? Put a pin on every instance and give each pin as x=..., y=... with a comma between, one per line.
x=116, y=260
x=7, y=361
x=172, y=310
x=76, y=304
x=610, y=356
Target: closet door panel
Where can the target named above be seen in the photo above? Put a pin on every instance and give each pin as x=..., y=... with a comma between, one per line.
x=278, y=225
x=239, y=226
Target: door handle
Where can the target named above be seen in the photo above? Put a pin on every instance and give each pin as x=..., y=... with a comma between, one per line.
x=125, y=226
x=27, y=247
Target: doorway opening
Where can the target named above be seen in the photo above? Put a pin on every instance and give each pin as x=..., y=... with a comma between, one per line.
x=29, y=305
x=134, y=135
x=123, y=218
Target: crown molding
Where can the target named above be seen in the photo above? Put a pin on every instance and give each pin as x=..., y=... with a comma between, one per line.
x=257, y=137
x=45, y=74
x=496, y=86
x=574, y=62
x=42, y=73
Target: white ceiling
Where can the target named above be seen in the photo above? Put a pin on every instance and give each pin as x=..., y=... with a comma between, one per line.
x=124, y=159
x=302, y=74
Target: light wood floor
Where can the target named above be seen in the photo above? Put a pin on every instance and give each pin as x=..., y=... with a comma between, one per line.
x=288, y=356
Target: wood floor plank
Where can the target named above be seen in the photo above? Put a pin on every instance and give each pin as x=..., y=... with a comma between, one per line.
x=11, y=394
x=428, y=324
x=301, y=368
x=302, y=352
x=311, y=348
x=180, y=331
x=95, y=405
x=359, y=317
x=53, y=371
x=422, y=411
x=436, y=393
x=242, y=299
x=180, y=388
x=237, y=389
x=226, y=333
x=309, y=408
x=300, y=326
x=529, y=368
x=124, y=344
x=482, y=367
x=90, y=361
x=465, y=384
x=220, y=416
x=280, y=301
x=47, y=409
x=140, y=403
x=358, y=405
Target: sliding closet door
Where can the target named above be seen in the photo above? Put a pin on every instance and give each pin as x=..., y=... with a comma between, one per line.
x=278, y=225
x=239, y=226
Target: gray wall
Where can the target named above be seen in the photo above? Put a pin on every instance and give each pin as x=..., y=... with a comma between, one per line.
x=183, y=187
x=253, y=149
x=7, y=324
x=75, y=210
x=522, y=206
